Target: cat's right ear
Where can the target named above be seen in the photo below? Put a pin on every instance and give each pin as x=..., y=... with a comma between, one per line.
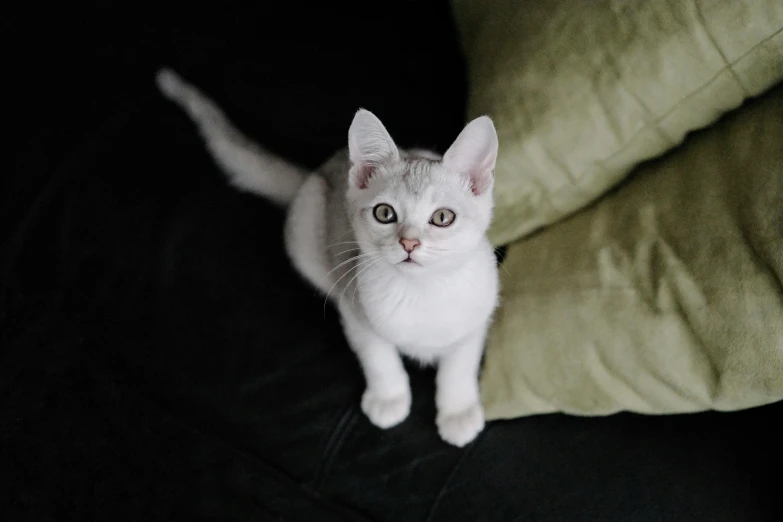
x=369, y=145
x=474, y=153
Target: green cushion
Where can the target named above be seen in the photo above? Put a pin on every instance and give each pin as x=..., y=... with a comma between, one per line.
x=582, y=91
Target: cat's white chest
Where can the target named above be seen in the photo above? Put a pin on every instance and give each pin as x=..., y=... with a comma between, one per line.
x=425, y=316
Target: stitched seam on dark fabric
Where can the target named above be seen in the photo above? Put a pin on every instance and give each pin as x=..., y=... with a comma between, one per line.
x=327, y=443
x=445, y=486
x=334, y=444
x=286, y=480
x=140, y=394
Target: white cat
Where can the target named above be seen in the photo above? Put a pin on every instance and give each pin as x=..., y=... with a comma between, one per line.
x=396, y=240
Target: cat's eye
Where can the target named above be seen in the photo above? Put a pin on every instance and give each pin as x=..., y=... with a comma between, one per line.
x=384, y=213
x=442, y=217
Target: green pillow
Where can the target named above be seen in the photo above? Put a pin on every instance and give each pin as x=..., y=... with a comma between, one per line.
x=665, y=296
x=582, y=91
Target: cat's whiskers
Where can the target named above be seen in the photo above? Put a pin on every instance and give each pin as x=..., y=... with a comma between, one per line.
x=343, y=263
x=348, y=243
x=346, y=251
x=358, y=274
x=357, y=265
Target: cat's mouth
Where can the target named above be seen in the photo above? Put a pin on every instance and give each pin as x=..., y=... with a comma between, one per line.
x=408, y=261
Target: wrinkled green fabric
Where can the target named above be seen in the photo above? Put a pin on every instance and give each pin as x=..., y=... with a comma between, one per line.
x=665, y=296
x=582, y=91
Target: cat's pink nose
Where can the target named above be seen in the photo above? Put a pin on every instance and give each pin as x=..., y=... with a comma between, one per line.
x=409, y=244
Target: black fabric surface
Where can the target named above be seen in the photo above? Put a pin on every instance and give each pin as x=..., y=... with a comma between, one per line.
x=159, y=358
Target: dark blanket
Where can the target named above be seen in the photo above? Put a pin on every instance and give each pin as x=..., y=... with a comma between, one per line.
x=159, y=358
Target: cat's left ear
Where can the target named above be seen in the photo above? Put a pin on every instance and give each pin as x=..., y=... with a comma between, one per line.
x=369, y=145
x=474, y=152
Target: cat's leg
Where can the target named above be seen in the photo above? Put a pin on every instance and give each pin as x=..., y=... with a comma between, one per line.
x=460, y=415
x=305, y=232
x=387, y=398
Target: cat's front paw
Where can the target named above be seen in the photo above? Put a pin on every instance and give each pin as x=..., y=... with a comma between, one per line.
x=386, y=412
x=461, y=428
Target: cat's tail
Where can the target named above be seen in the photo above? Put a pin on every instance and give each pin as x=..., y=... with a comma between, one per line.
x=248, y=166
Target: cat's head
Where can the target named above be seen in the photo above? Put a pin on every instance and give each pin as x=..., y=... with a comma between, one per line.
x=419, y=211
